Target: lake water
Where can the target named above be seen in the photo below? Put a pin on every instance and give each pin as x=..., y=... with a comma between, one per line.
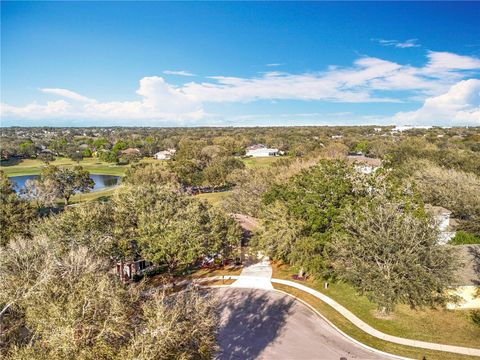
x=101, y=181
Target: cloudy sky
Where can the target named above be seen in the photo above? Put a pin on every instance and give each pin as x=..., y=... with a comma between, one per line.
x=239, y=64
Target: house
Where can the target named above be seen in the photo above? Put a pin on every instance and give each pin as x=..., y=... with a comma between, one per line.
x=445, y=224
x=260, y=150
x=363, y=164
x=164, y=155
x=131, y=151
x=466, y=284
x=126, y=270
x=336, y=137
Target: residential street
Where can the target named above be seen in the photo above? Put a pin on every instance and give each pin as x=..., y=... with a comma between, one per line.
x=259, y=324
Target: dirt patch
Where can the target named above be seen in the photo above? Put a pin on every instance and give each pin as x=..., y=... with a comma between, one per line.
x=382, y=316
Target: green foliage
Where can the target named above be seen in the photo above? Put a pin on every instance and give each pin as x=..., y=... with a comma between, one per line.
x=74, y=308
x=148, y=174
x=171, y=228
x=66, y=182
x=301, y=214
x=15, y=212
x=390, y=254
x=46, y=158
x=76, y=156
x=217, y=171
x=316, y=195
x=87, y=153
x=475, y=316
x=90, y=225
x=464, y=238
x=27, y=149
x=108, y=156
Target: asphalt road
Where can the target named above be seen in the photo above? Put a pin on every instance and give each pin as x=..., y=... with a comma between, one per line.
x=259, y=324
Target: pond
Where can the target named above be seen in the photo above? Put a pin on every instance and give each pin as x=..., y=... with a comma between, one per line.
x=101, y=181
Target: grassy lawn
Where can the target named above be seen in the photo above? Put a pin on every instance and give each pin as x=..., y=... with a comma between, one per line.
x=260, y=162
x=93, y=195
x=346, y=326
x=214, y=198
x=163, y=278
x=452, y=327
x=34, y=166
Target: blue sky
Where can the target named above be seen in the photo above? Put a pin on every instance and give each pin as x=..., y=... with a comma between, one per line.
x=190, y=64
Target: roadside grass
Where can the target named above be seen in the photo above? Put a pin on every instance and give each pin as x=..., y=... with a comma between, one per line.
x=214, y=198
x=260, y=162
x=452, y=327
x=192, y=274
x=34, y=166
x=346, y=326
x=226, y=270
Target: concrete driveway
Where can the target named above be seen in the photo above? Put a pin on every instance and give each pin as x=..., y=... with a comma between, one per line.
x=259, y=324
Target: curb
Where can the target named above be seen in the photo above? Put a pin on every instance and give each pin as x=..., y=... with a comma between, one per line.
x=340, y=331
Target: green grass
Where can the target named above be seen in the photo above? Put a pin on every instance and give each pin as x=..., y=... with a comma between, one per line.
x=34, y=166
x=346, y=326
x=452, y=327
x=99, y=195
x=260, y=162
x=464, y=238
x=214, y=198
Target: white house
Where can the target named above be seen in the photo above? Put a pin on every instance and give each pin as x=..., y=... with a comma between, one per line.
x=260, y=150
x=165, y=154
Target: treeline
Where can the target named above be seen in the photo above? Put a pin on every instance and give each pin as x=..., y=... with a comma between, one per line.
x=108, y=143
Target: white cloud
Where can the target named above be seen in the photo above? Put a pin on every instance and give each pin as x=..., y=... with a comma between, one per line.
x=367, y=80
x=397, y=43
x=274, y=64
x=67, y=94
x=160, y=101
x=445, y=61
x=179, y=73
x=460, y=105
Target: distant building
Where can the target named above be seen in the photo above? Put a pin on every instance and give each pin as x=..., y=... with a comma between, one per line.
x=363, y=164
x=445, y=224
x=336, y=136
x=260, y=150
x=164, y=154
x=403, y=128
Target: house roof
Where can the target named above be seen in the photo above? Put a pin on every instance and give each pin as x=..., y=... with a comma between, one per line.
x=365, y=160
x=246, y=222
x=166, y=152
x=256, y=147
x=437, y=210
x=131, y=151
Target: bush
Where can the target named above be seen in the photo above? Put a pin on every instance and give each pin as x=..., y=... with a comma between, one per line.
x=475, y=316
x=464, y=238
x=149, y=273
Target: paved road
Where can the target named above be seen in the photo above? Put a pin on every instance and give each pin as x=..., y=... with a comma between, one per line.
x=259, y=324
